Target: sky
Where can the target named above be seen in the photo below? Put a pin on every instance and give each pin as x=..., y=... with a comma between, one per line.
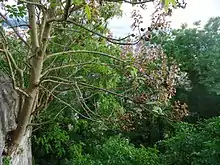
x=194, y=11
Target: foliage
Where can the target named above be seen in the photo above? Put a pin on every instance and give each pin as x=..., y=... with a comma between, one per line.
x=6, y=160
x=196, y=51
x=194, y=144
x=117, y=151
x=63, y=141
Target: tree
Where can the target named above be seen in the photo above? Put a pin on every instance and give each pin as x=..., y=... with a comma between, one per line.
x=34, y=69
x=195, y=49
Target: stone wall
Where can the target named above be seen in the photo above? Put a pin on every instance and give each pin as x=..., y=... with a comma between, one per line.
x=8, y=113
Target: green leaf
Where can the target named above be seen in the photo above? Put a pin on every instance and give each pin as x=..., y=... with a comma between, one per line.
x=88, y=12
x=166, y=4
x=158, y=110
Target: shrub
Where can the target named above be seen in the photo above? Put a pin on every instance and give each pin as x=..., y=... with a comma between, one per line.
x=194, y=145
x=117, y=151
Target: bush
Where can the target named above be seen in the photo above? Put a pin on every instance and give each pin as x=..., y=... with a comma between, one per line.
x=117, y=151
x=194, y=144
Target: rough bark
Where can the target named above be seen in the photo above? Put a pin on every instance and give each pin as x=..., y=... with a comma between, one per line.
x=8, y=113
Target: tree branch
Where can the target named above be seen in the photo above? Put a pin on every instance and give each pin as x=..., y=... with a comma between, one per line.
x=109, y=39
x=66, y=9
x=73, y=65
x=104, y=90
x=42, y=25
x=67, y=104
x=65, y=66
x=82, y=101
x=67, y=82
x=11, y=61
x=33, y=26
x=13, y=28
x=46, y=122
x=83, y=51
x=34, y=3
x=132, y=2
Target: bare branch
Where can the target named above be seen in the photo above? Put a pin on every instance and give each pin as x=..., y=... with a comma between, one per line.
x=13, y=76
x=84, y=51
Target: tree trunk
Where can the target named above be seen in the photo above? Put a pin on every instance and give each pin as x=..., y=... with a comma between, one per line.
x=8, y=113
x=23, y=155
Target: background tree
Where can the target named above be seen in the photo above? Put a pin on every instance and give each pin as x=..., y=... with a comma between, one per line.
x=195, y=49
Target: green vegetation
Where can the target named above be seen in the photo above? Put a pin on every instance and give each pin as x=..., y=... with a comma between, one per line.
x=91, y=99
